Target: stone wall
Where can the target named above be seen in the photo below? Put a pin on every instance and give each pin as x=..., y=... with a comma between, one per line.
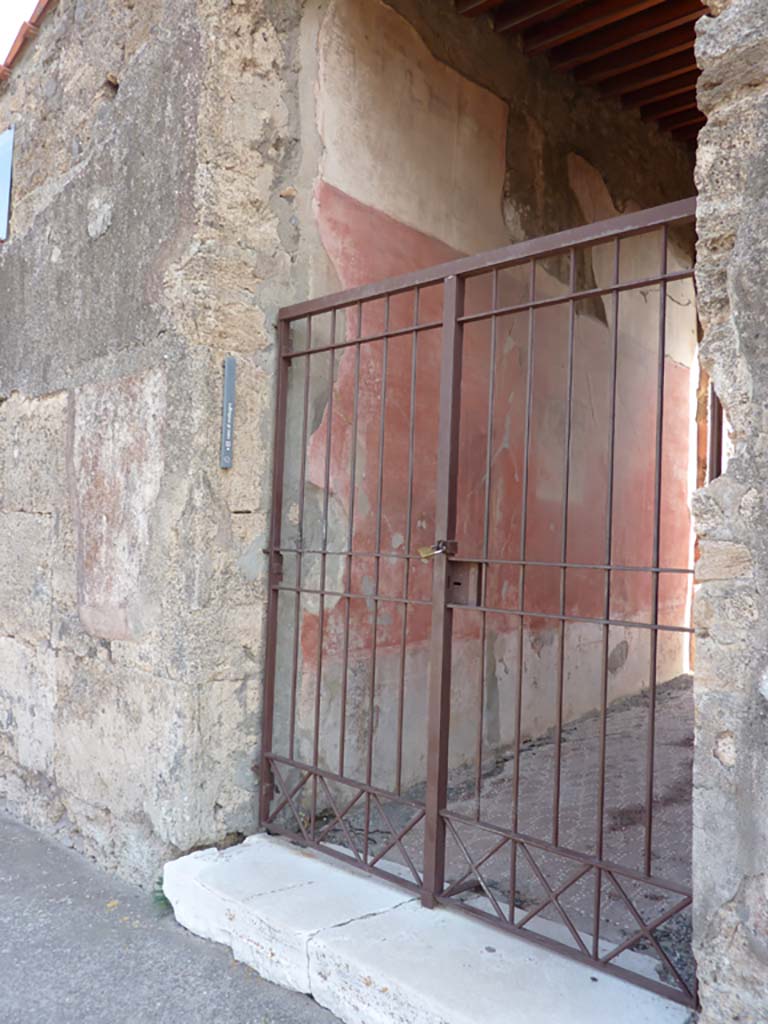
x=731, y=764
x=179, y=175
x=149, y=239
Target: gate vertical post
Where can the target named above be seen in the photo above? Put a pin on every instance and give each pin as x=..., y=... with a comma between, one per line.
x=439, y=681
x=266, y=781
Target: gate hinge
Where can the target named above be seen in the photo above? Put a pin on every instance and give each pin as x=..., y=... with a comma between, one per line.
x=275, y=565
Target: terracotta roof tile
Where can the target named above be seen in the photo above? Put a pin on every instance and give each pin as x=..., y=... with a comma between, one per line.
x=26, y=32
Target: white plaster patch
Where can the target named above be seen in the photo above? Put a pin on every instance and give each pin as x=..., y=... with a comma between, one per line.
x=435, y=134
x=725, y=749
x=99, y=217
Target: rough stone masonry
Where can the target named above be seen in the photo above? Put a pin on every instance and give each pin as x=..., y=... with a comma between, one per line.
x=149, y=240
x=730, y=859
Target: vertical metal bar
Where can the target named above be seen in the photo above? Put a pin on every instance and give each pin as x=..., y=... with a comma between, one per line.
x=607, y=606
x=300, y=546
x=439, y=697
x=486, y=530
x=275, y=532
x=350, y=540
x=323, y=569
x=377, y=578
x=657, y=494
x=408, y=535
x=521, y=584
x=564, y=557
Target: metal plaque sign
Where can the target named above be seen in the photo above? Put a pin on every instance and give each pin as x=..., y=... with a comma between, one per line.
x=228, y=413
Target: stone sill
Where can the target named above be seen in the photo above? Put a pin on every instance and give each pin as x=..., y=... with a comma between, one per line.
x=372, y=955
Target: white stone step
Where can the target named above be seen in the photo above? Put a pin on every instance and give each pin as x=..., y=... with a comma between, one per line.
x=372, y=955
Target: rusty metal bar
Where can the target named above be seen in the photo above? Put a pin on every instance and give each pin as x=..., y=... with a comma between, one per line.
x=266, y=787
x=680, y=212
x=522, y=307
x=564, y=556
x=502, y=561
x=377, y=572
x=299, y=559
x=349, y=552
x=439, y=696
x=606, y=627
x=587, y=293
x=657, y=513
x=486, y=532
x=521, y=586
x=323, y=568
x=408, y=538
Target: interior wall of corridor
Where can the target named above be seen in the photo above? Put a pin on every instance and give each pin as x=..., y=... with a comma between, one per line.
x=418, y=161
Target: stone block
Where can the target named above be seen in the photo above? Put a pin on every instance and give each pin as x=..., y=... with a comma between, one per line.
x=33, y=443
x=118, y=465
x=723, y=560
x=128, y=742
x=371, y=954
x=267, y=899
x=27, y=704
x=26, y=542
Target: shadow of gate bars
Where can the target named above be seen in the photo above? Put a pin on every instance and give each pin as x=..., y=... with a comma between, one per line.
x=478, y=639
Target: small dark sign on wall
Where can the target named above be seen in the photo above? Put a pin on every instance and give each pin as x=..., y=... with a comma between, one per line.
x=228, y=413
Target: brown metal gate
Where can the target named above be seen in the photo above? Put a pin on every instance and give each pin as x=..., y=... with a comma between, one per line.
x=478, y=639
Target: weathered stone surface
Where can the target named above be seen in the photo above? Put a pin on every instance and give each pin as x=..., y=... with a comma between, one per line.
x=149, y=240
x=723, y=560
x=27, y=704
x=118, y=464
x=33, y=448
x=731, y=764
x=26, y=551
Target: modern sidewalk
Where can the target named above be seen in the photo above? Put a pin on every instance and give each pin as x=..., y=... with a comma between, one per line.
x=78, y=946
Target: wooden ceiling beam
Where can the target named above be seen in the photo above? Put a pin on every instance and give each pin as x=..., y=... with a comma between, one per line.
x=640, y=28
x=662, y=90
x=689, y=132
x=674, y=121
x=674, y=42
x=676, y=105
x=471, y=8
x=532, y=12
x=654, y=75
x=583, y=21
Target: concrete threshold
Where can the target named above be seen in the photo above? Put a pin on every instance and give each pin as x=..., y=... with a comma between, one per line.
x=371, y=954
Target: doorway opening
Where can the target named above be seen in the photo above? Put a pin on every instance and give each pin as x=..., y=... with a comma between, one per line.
x=479, y=636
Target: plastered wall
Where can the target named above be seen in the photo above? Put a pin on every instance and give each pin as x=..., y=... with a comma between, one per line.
x=416, y=162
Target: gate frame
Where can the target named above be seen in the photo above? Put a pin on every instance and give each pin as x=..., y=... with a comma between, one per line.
x=452, y=275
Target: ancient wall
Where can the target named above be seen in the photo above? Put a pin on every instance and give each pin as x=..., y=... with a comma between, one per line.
x=149, y=239
x=731, y=688
x=183, y=169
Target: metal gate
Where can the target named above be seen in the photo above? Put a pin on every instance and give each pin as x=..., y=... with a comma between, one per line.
x=478, y=641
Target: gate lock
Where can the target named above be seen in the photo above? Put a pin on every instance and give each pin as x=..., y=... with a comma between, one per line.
x=440, y=547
